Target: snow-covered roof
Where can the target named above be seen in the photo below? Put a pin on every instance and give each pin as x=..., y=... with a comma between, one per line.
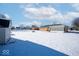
x=4, y=16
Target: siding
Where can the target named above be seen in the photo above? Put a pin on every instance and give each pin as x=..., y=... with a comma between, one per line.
x=56, y=28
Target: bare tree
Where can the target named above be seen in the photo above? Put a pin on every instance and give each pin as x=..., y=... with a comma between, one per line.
x=76, y=23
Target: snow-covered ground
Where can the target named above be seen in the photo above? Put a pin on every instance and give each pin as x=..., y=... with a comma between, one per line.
x=67, y=43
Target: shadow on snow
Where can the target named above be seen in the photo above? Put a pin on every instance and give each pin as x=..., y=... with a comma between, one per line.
x=16, y=47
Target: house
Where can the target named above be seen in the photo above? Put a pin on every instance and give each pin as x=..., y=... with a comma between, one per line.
x=44, y=28
x=34, y=27
x=56, y=27
x=53, y=27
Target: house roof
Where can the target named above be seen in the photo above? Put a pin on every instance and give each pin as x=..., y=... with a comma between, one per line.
x=4, y=16
x=51, y=25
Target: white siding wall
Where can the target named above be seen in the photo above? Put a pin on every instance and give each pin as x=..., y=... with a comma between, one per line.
x=4, y=35
x=56, y=28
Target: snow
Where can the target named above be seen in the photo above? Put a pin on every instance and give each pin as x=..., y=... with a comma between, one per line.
x=67, y=43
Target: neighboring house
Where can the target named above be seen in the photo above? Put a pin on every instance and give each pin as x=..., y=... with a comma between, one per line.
x=34, y=27
x=54, y=27
x=44, y=28
x=17, y=28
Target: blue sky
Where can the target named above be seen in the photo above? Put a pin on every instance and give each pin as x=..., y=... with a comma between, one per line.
x=40, y=13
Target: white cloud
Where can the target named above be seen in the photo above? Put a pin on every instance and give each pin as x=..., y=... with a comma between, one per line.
x=40, y=13
x=7, y=16
x=50, y=13
x=36, y=23
x=29, y=5
x=69, y=17
x=75, y=6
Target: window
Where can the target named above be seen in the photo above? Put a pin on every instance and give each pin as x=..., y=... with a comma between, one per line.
x=4, y=23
